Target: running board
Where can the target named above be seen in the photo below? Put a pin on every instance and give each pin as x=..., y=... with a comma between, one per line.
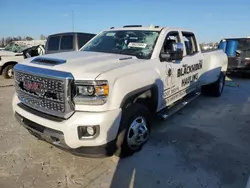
x=168, y=112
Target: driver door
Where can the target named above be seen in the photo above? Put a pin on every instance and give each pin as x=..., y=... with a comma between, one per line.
x=169, y=69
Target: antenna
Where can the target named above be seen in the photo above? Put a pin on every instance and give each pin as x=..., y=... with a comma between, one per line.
x=73, y=24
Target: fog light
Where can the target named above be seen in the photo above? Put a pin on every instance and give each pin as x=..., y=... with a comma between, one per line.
x=88, y=131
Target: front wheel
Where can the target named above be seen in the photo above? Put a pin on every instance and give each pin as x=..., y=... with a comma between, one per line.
x=216, y=88
x=8, y=72
x=134, y=130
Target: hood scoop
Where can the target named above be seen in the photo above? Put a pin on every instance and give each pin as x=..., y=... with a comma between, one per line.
x=48, y=61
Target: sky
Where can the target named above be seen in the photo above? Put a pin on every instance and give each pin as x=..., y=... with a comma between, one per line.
x=211, y=20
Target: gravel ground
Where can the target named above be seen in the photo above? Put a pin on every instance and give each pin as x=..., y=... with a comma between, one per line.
x=205, y=145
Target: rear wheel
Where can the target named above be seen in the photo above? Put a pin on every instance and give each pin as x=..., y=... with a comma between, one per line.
x=8, y=72
x=134, y=130
x=215, y=89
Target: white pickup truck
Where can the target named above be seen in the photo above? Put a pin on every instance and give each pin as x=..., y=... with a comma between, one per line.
x=99, y=100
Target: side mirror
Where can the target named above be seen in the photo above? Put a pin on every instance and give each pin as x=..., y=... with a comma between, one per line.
x=174, y=53
x=165, y=56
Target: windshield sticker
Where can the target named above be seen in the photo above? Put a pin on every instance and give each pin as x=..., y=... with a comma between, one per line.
x=110, y=34
x=137, y=45
x=135, y=38
x=172, y=37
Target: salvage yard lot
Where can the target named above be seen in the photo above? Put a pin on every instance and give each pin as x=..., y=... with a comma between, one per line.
x=205, y=145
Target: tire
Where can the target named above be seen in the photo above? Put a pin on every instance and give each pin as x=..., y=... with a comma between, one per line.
x=8, y=72
x=215, y=89
x=133, y=116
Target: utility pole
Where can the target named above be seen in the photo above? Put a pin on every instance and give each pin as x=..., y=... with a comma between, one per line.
x=73, y=21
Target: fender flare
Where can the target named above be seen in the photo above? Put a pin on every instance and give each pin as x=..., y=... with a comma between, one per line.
x=131, y=96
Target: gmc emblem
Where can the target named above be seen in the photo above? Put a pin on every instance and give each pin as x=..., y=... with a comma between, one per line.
x=33, y=86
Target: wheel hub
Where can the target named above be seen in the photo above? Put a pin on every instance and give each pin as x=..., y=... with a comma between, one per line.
x=138, y=133
x=10, y=73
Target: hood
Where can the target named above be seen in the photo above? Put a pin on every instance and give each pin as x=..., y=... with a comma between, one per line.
x=82, y=64
x=8, y=53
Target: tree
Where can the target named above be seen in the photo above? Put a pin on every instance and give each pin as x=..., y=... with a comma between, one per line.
x=42, y=37
x=28, y=38
x=2, y=41
x=8, y=40
x=15, y=39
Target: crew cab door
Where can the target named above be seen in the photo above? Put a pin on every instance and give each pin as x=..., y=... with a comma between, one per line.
x=191, y=66
x=169, y=68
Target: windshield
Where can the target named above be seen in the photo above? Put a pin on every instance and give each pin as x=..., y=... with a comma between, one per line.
x=129, y=42
x=13, y=47
x=9, y=46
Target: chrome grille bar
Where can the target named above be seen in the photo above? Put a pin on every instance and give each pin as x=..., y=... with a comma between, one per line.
x=44, y=90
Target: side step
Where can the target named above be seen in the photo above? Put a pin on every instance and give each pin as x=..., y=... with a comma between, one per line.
x=168, y=112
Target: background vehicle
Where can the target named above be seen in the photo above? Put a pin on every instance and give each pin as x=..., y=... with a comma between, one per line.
x=14, y=53
x=56, y=43
x=100, y=100
x=238, y=52
x=62, y=42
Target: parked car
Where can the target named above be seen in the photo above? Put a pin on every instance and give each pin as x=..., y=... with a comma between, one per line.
x=238, y=52
x=56, y=43
x=64, y=42
x=99, y=101
x=14, y=53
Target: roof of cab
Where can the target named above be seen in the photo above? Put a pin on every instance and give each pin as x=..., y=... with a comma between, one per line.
x=150, y=28
x=70, y=33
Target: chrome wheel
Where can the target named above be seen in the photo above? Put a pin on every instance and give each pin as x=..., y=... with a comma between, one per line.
x=138, y=133
x=10, y=73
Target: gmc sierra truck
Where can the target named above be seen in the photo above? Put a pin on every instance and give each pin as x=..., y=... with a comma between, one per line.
x=100, y=100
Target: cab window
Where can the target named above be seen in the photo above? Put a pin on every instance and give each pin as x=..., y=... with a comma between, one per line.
x=190, y=43
x=171, y=38
x=53, y=43
x=67, y=42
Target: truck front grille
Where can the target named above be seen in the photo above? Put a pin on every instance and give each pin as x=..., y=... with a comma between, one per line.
x=45, y=90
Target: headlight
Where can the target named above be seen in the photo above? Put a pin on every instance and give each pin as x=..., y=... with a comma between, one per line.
x=91, y=92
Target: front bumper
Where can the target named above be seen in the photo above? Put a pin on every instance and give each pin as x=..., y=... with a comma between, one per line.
x=64, y=133
x=56, y=138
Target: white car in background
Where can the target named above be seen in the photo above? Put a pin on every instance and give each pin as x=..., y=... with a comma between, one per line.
x=14, y=53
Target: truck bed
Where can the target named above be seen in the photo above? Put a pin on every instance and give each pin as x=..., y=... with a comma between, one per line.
x=214, y=61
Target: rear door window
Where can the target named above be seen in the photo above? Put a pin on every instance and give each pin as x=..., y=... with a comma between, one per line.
x=190, y=43
x=67, y=42
x=53, y=43
x=83, y=39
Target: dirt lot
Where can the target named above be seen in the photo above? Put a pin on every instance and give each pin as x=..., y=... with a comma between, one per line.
x=206, y=145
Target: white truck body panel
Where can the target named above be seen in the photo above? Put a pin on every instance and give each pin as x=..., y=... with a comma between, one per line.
x=6, y=53
x=214, y=63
